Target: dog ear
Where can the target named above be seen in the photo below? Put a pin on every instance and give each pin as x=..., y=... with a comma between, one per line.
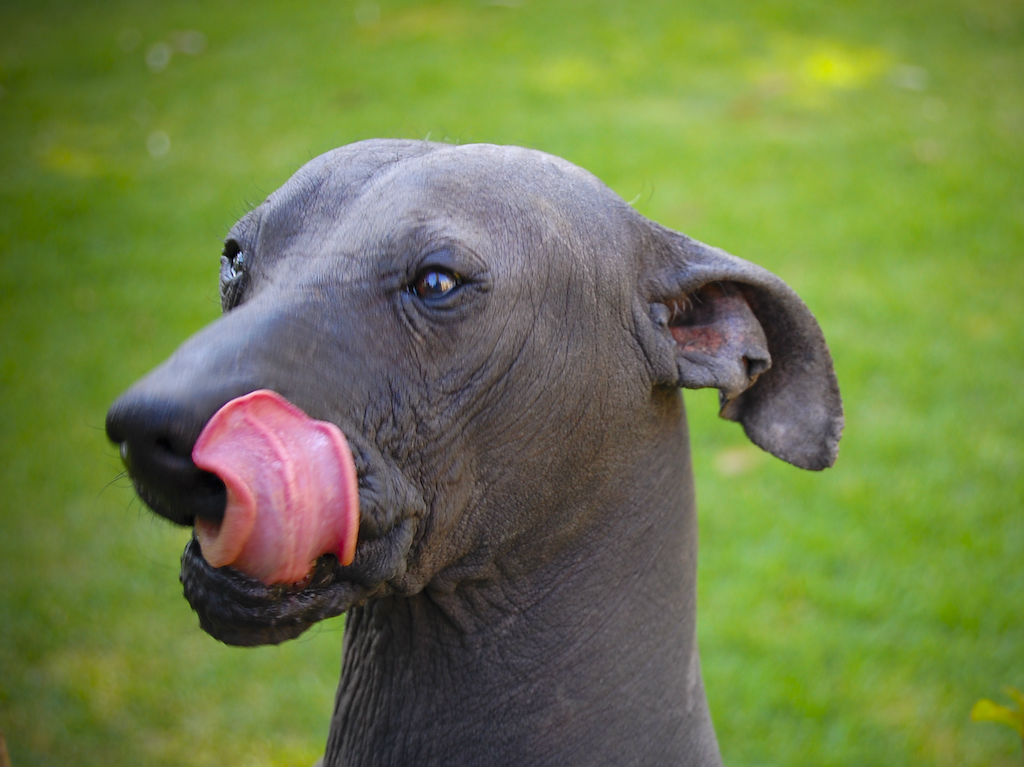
x=719, y=321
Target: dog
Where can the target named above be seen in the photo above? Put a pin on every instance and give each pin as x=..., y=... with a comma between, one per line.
x=491, y=345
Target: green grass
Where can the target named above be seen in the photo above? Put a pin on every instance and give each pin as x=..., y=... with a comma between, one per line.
x=869, y=153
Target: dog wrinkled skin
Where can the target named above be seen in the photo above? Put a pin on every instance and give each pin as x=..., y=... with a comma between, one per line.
x=501, y=339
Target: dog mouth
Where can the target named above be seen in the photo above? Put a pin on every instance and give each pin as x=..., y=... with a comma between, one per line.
x=241, y=610
x=292, y=524
x=277, y=502
x=283, y=556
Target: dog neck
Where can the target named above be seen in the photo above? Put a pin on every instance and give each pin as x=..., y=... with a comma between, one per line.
x=581, y=661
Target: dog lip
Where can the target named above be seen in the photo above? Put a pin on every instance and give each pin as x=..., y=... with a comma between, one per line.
x=240, y=610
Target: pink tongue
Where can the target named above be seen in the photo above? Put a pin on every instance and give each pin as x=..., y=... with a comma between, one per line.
x=291, y=488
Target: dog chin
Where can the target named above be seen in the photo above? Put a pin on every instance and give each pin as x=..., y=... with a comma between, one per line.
x=240, y=610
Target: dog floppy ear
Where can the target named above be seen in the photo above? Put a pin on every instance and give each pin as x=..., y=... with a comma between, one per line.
x=719, y=321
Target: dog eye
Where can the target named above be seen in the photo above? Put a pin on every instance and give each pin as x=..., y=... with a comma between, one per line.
x=233, y=265
x=235, y=260
x=434, y=282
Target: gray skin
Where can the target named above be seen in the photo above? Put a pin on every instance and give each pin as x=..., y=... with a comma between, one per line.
x=503, y=340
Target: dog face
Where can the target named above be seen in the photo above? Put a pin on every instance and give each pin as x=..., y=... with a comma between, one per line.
x=495, y=333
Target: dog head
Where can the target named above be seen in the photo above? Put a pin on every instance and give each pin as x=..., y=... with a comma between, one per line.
x=496, y=334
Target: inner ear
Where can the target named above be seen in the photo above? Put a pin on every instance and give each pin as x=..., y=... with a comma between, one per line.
x=719, y=341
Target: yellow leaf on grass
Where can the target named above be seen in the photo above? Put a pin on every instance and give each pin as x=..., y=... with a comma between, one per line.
x=988, y=711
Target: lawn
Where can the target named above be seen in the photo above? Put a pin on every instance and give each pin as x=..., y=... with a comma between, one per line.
x=872, y=154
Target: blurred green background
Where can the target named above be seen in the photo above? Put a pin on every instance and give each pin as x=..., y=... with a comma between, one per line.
x=869, y=152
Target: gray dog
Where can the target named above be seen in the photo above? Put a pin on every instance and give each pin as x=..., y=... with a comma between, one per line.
x=500, y=341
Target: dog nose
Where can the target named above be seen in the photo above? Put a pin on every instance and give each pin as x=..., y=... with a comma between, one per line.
x=155, y=437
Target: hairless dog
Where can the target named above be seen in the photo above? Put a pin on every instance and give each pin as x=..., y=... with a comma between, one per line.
x=444, y=397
